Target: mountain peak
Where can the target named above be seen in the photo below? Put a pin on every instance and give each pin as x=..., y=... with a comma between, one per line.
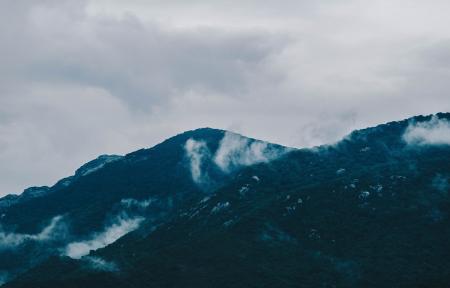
x=96, y=164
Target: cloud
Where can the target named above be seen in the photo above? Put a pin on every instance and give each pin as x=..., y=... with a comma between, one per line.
x=436, y=131
x=99, y=264
x=84, y=78
x=127, y=217
x=235, y=150
x=50, y=232
x=120, y=226
x=197, y=152
x=103, y=79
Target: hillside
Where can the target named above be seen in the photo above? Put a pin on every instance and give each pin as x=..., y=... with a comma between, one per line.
x=209, y=208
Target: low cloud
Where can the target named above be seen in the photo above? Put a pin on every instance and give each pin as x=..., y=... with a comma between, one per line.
x=99, y=264
x=120, y=226
x=53, y=230
x=436, y=131
x=236, y=150
x=197, y=152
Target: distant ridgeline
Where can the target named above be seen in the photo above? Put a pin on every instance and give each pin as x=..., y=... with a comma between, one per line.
x=211, y=208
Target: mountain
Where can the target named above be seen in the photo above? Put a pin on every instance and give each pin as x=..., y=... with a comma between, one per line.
x=112, y=195
x=210, y=208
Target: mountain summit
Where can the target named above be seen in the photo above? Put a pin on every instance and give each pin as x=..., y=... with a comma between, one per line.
x=211, y=208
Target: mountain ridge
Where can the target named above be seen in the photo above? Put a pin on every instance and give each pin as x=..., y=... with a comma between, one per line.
x=87, y=202
x=372, y=174
x=201, y=131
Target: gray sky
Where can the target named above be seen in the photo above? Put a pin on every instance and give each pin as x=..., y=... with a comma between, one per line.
x=83, y=78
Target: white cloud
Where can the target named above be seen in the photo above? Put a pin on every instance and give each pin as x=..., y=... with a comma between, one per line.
x=11, y=240
x=235, y=150
x=97, y=263
x=84, y=78
x=197, y=152
x=436, y=131
x=121, y=226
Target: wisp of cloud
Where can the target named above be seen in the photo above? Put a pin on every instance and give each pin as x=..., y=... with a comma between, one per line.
x=99, y=264
x=11, y=240
x=121, y=226
x=436, y=131
x=197, y=152
x=236, y=150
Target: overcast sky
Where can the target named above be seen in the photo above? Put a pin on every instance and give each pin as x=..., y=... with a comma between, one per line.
x=84, y=78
